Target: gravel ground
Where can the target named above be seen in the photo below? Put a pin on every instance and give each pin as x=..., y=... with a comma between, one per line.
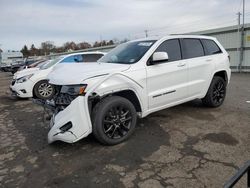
x=185, y=146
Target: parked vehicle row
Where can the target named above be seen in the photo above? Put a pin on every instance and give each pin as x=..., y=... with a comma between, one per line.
x=33, y=82
x=7, y=59
x=18, y=65
x=133, y=80
x=5, y=67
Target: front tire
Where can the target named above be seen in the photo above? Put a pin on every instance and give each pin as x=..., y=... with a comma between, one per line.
x=114, y=120
x=216, y=93
x=44, y=90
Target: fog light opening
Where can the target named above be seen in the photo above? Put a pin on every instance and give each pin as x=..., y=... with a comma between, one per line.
x=66, y=127
x=23, y=91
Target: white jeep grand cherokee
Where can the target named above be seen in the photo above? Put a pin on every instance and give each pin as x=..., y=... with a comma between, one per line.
x=133, y=80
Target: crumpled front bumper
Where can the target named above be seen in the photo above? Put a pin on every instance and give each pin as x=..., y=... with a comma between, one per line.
x=77, y=114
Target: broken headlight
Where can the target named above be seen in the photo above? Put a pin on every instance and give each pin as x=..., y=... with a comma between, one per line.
x=74, y=89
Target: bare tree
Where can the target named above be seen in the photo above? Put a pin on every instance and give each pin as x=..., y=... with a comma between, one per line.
x=47, y=47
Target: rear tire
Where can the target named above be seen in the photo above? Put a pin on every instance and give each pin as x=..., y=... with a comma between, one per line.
x=113, y=120
x=44, y=90
x=216, y=93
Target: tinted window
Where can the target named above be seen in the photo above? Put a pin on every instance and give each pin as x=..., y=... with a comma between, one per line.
x=172, y=47
x=91, y=57
x=73, y=59
x=192, y=48
x=211, y=47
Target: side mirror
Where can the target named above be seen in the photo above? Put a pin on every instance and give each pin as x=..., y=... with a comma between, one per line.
x=159, y=57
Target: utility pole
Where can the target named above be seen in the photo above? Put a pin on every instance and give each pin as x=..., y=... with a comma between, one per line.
x=239, y=14
x=243, y=16
x=0, y=54
x=239, y=39
x=146, y=33
x=242, y=37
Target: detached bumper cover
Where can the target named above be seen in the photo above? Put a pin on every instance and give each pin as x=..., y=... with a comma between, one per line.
x=78, y=116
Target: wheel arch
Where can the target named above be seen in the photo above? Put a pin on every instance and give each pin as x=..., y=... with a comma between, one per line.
x=128, y=94
x=222, y=74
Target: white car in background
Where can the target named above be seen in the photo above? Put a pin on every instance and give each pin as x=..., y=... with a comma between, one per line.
x=33, y=82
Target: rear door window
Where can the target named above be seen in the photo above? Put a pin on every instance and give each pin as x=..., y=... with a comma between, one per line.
x=192, y=48
x=172, y=47
x=211, y=47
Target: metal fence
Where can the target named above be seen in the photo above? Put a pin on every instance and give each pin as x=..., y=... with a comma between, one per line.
x=230, y=38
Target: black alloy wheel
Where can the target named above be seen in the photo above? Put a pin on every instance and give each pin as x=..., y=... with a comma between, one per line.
x=216, y=93
x=219, y=92
x=117, y=122
x=113, y=120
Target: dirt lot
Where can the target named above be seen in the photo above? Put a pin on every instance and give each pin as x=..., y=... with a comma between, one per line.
x=185, y=146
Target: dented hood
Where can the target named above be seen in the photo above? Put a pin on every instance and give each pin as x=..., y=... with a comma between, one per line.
x=76, y=73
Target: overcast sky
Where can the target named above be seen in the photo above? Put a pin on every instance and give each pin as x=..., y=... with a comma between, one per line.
x=35, y=21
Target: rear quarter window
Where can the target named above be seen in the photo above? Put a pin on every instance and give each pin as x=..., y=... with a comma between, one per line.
x=211, y=47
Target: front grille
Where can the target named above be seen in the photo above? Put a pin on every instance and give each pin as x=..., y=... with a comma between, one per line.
x=64, y=99
x=13, y=82
x=57, y=89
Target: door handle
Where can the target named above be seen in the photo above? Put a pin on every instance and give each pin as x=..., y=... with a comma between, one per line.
x=181, y=64
x=208, y=60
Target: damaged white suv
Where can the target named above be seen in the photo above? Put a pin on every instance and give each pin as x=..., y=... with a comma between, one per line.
x=133, y=80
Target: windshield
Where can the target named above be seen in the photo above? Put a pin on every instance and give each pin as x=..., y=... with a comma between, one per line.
x=50, y=63
x=42, y=63
x=128, y=53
